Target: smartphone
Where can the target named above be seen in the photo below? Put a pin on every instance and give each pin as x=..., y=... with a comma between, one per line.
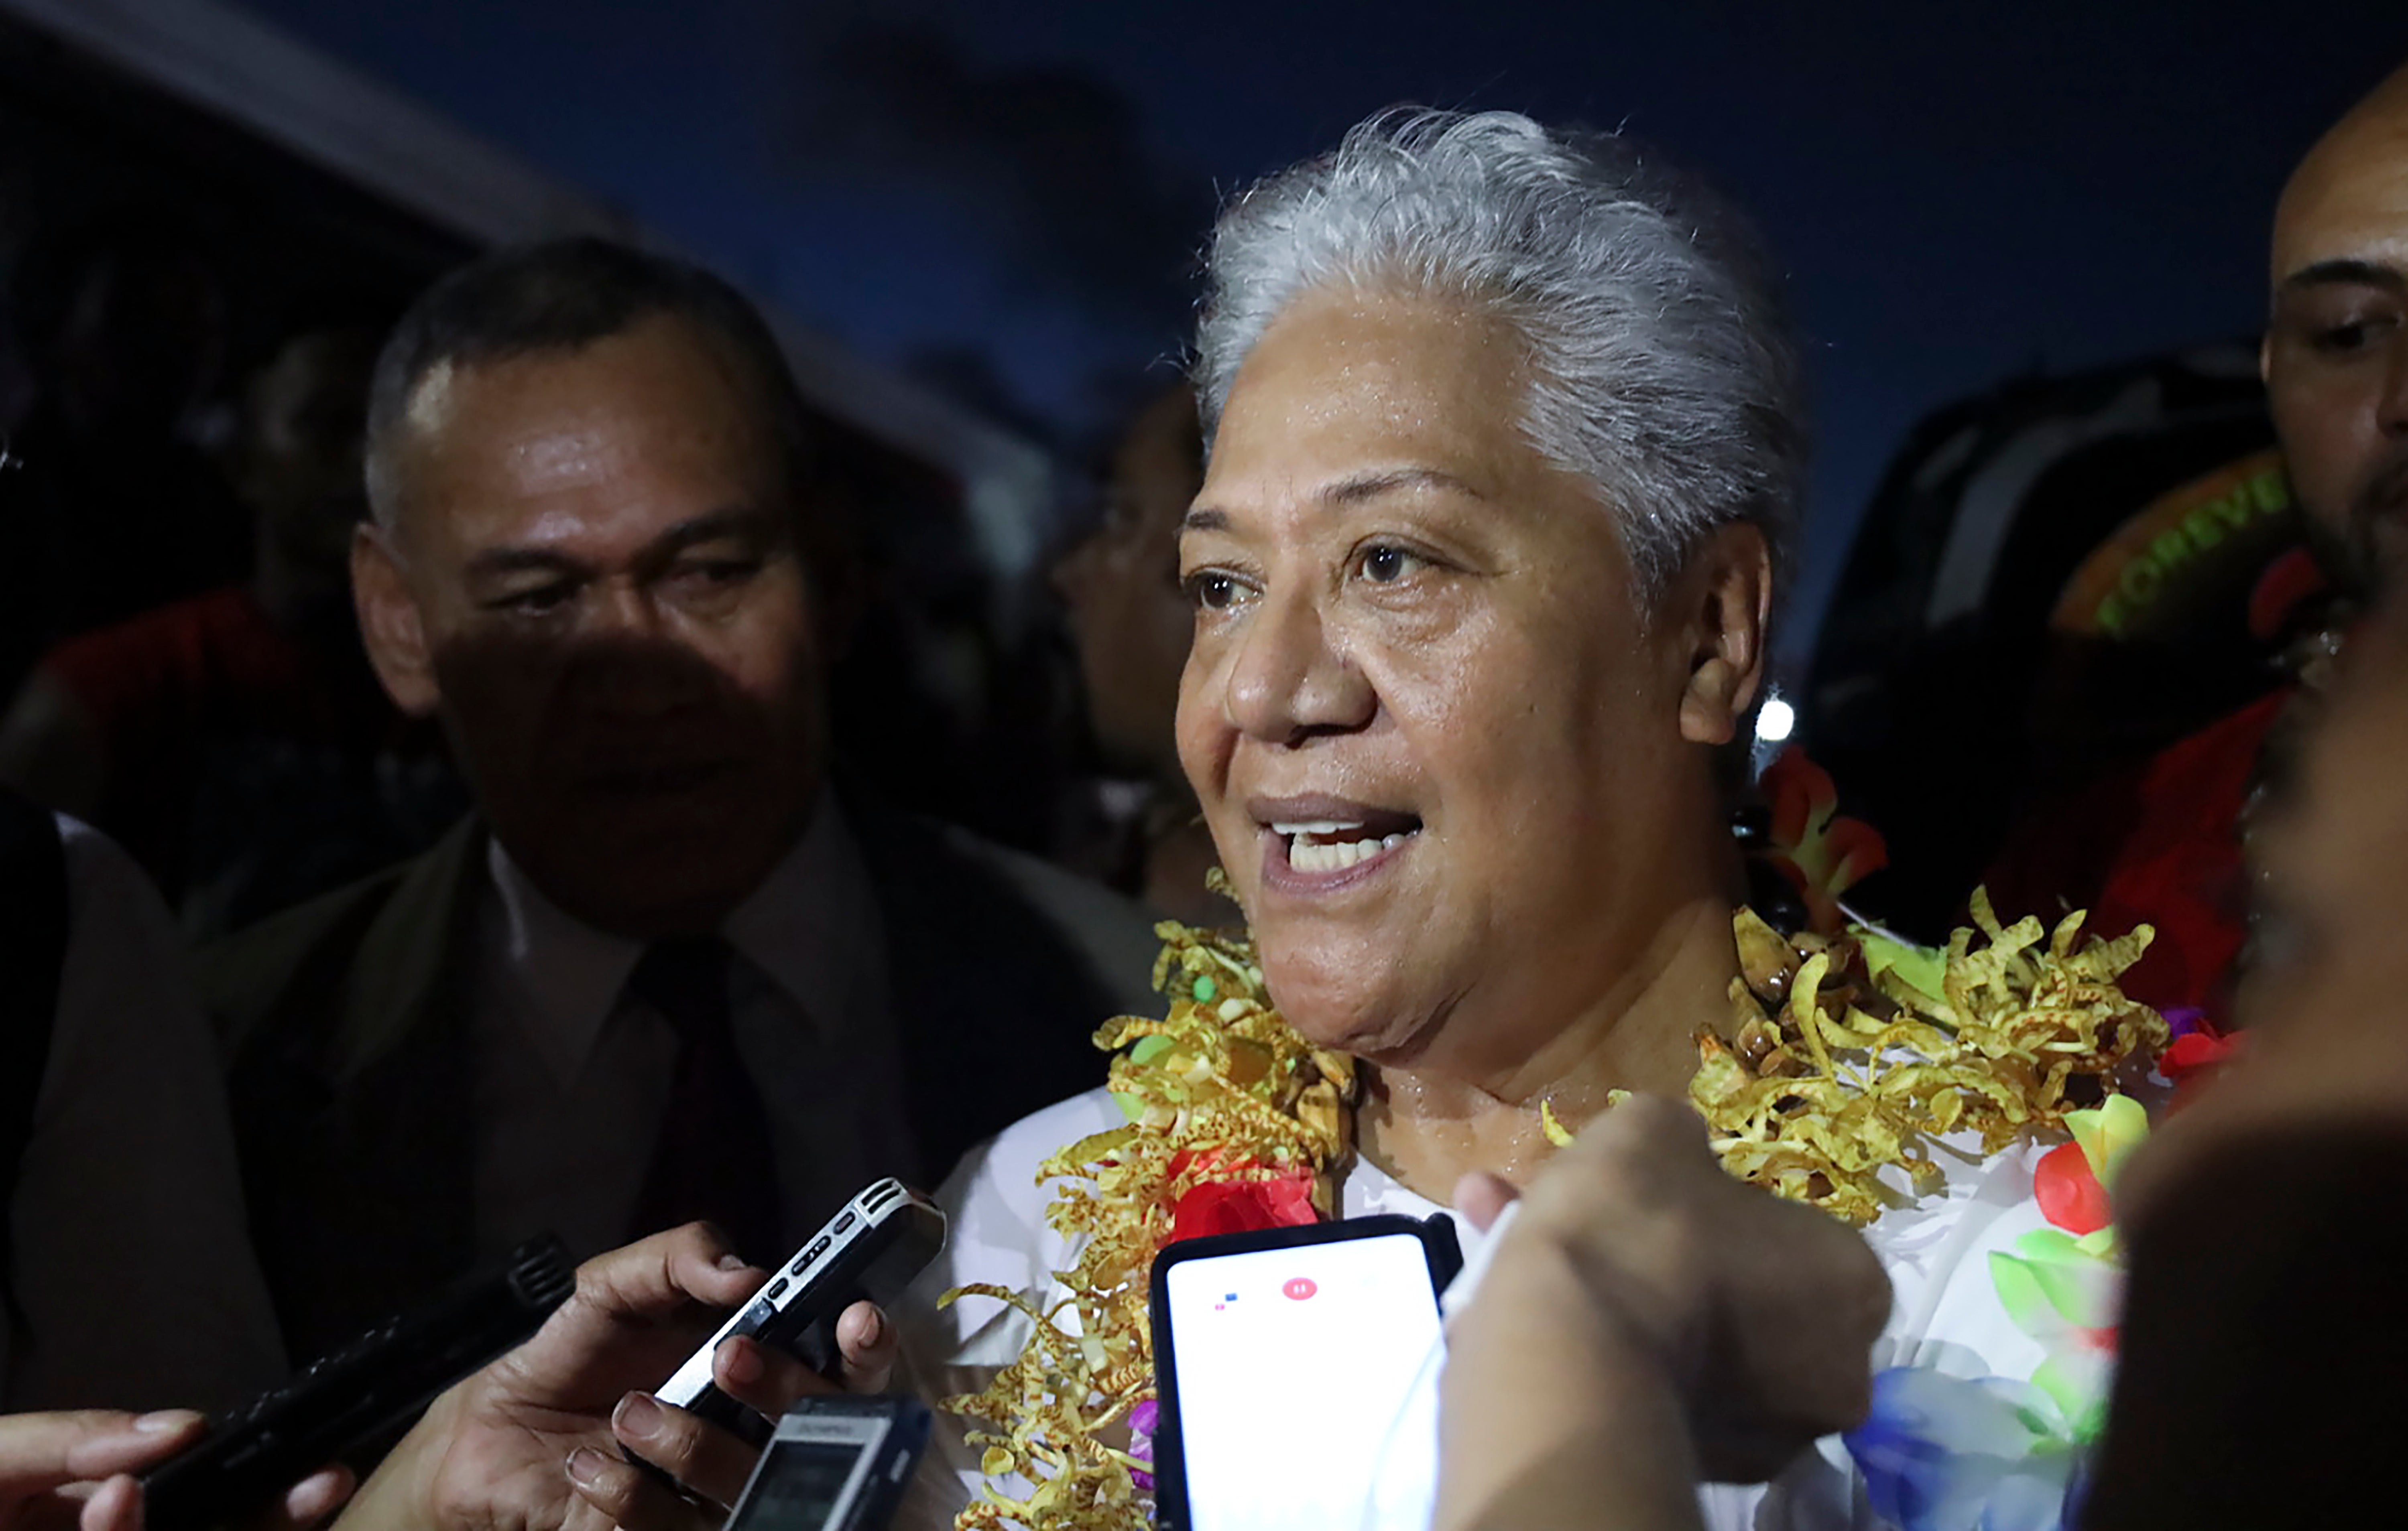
x=1295, y=1370
x=835, y=1465
x=871, y=1249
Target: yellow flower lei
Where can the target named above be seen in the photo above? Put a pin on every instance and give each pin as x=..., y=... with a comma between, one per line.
x=1846, y=1054
x=1219, y=1089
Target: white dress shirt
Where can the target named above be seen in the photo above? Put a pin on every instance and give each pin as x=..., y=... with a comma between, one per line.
x=573, y=1074
x=130, y=1259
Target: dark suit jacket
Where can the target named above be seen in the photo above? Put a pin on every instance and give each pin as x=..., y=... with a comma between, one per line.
x=348, y=1021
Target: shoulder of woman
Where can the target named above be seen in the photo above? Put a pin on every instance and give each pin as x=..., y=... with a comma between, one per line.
x=995, y=1207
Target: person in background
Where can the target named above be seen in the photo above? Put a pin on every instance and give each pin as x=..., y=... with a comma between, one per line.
x=2262, y=1337
x=2336, y=348
x=125, y=1275
x=1130, y=623
x=114, y=510
x=2166, y=843
x=236, y=741
x=668, y=969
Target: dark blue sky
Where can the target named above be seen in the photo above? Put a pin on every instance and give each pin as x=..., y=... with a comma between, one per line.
x=1959, y=192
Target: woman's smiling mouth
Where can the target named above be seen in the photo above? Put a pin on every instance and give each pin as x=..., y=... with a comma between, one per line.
x=1320, y=843
x=1329, y=848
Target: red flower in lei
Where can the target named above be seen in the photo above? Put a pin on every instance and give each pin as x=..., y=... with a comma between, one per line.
x=1244, y=1206
x=1822, y=853
x=2069, y=1193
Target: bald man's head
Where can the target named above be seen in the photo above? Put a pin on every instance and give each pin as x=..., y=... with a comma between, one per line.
x=2336, y=350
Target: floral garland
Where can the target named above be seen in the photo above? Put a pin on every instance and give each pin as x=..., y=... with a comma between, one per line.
x=1939, y=1451
x=1849, y=1056
x=1234, y=1122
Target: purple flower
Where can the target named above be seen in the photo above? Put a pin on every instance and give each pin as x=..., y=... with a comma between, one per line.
x=1141, y=1422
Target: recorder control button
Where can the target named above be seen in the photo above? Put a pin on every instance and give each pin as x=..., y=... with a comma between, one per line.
x=819, y=1247
x=759, y=1313
x=777, y=1288
x=843, y=1222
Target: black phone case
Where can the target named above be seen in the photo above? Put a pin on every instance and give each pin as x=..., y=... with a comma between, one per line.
x=1439, y=1247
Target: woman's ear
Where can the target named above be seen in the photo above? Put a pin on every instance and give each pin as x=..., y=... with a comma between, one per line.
x=390, y=624
x=1724, y=608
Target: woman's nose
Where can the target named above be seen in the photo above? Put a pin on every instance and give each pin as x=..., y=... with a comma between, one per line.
x=1288, y=682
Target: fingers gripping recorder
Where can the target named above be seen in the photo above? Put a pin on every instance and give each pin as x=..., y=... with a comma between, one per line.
x=872, y=1248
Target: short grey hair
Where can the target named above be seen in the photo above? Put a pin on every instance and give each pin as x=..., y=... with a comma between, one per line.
x=1661, y=364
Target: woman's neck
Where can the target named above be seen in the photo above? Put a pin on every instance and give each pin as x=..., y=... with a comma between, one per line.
x=1428, y=1127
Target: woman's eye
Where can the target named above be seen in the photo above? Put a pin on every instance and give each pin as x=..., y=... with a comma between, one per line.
x=1211, y=589
x=1386, y=566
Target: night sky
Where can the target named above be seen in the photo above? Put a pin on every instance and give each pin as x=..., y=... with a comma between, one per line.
x=1961, y=192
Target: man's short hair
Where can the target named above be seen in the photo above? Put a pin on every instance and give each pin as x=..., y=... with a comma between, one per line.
x=563, y=295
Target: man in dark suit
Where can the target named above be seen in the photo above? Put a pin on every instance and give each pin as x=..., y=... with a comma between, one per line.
x=665, y=971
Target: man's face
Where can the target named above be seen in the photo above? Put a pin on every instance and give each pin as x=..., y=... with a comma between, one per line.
x=593, y=579
x=2336, y=350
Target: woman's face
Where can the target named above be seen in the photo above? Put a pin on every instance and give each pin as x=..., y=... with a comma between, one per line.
x=1439, y=745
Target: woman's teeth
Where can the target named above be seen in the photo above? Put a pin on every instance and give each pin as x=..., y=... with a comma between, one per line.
x=1305, y=855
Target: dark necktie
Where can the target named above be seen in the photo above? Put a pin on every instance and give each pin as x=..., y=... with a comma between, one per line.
x=714, y=1157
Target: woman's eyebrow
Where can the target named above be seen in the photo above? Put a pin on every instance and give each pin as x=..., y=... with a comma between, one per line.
x=1348, y=490
x=1365, y=486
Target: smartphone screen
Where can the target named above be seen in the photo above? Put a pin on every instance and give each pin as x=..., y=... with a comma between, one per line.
x=800, y=1484
x=1305, y=1380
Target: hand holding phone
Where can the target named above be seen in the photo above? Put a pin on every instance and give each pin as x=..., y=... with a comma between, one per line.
x=872, y=1248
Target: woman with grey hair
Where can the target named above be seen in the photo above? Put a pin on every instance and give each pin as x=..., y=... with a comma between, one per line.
x=1504, y=448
